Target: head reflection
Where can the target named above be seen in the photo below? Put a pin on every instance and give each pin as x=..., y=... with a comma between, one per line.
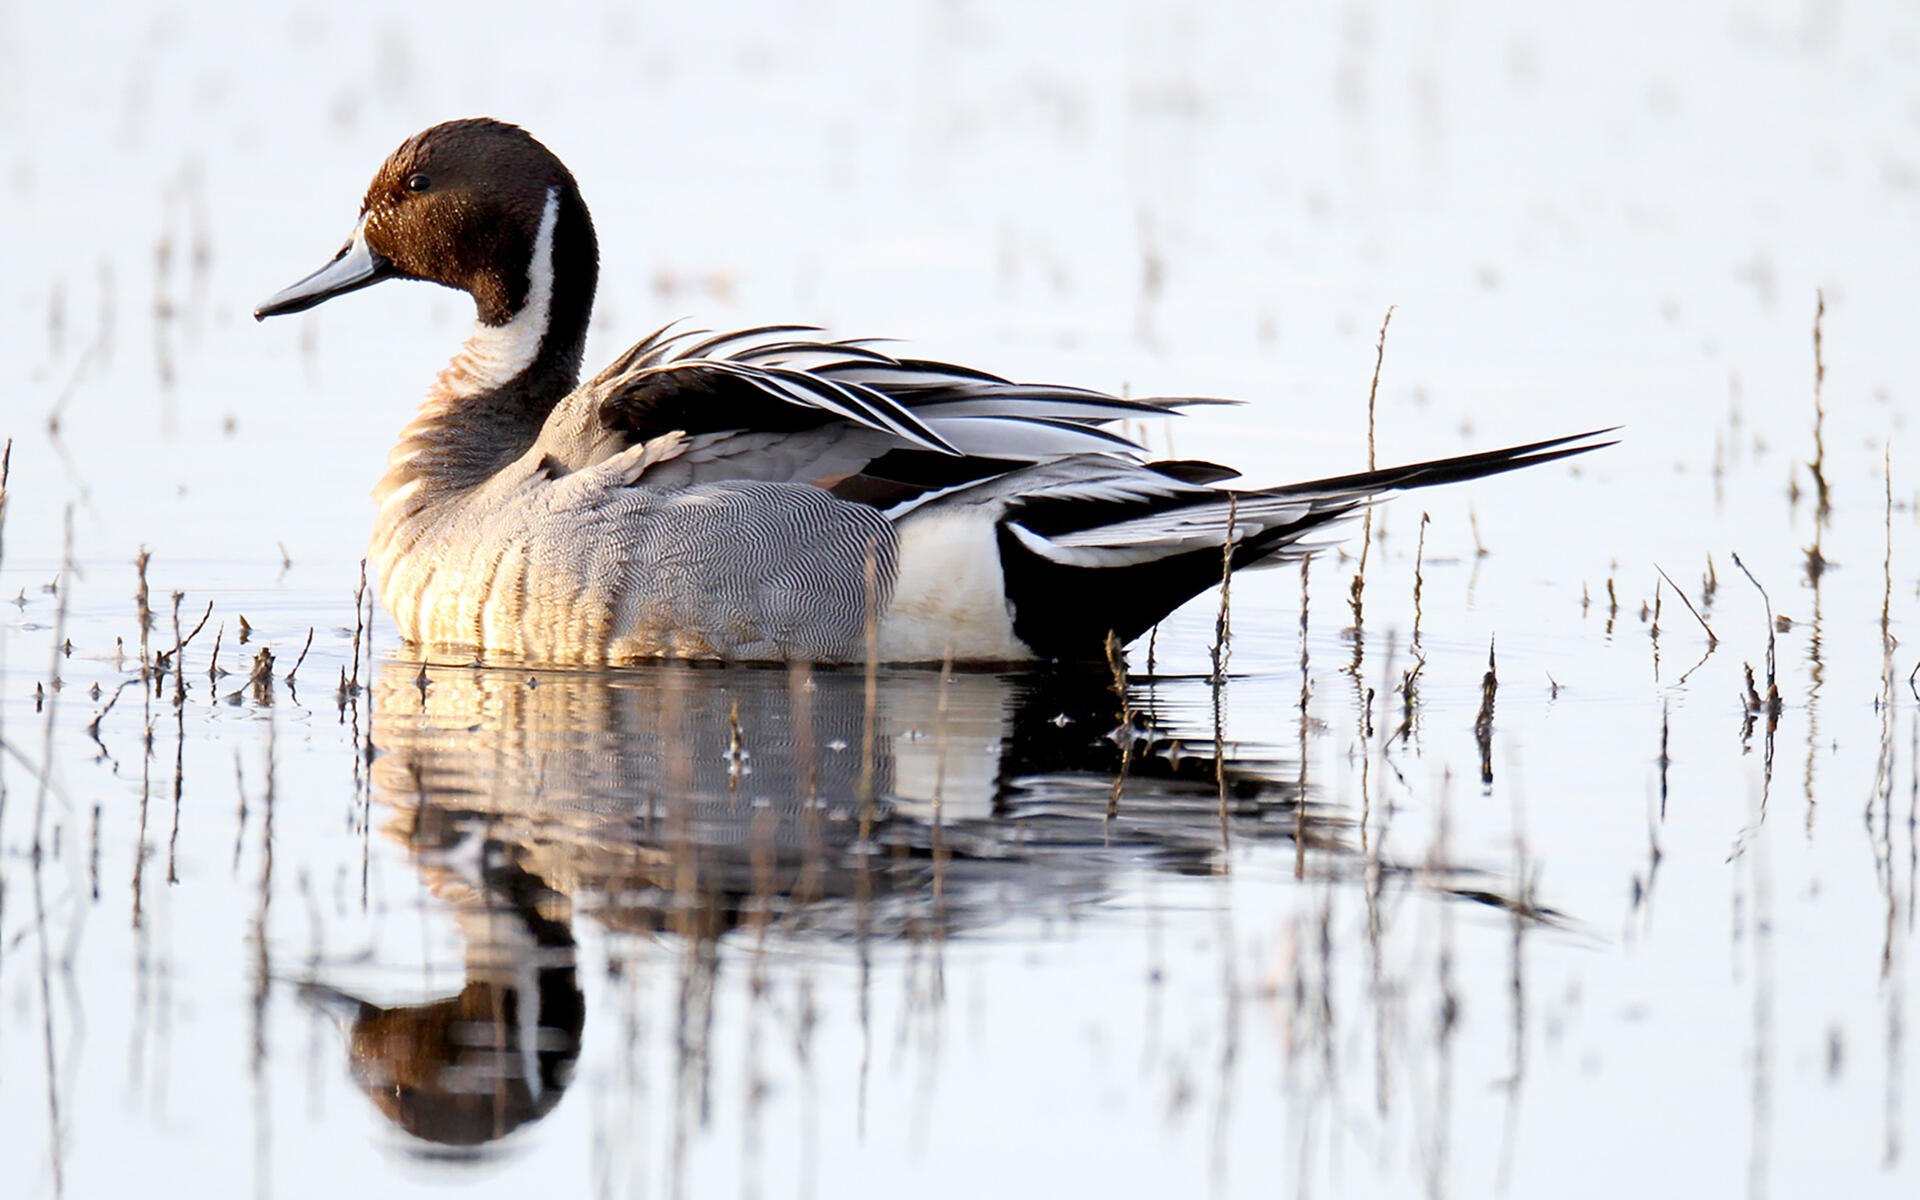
x=689, y=802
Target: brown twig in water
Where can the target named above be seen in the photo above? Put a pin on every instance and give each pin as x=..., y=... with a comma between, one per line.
x=1409, y=681
x=1483, y=721
x=301, y=659
x=93, y=726
x=1223, y=620
x=1822, y=499
x=179, y=647
x=352, y=686
x=1117, y=663
x=261, y=680
x=1772, y=703
x=1712, y=641
x=1659, y=594
x=213, y=664
x=142, y=607
x=198, y=626
x=1359, y=584
x=6, y=467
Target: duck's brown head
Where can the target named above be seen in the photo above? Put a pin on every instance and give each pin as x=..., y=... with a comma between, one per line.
x=477, y=205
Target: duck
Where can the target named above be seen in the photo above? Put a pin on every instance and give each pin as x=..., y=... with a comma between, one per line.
x=769, y=494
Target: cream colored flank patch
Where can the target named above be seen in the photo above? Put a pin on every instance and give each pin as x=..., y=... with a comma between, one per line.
x=951, y=595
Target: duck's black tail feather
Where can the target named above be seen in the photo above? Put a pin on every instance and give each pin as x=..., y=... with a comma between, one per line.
x=1075, y=571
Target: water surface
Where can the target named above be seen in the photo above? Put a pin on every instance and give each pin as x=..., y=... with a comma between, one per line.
x=367, y=924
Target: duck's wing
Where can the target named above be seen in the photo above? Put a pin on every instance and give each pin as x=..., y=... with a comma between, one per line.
x=772, y=403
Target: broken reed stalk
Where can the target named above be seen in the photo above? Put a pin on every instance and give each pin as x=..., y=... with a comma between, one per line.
x=1659, y=596
x=1223, y=620
x=1822, y=499
x=142, y=607
x=1771, y=703
x=93, y=726
x=352, y=687
x=302, y=658
x=1409, y=680
x=1483, y=721
x=1366, y=530
x=1117, y=664
x=6, y=467
x=261, y=680
x=1712, y=641
x=179, y=649
x=198, y=626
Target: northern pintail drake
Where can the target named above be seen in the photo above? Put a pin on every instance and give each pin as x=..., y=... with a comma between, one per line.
x=765, y=495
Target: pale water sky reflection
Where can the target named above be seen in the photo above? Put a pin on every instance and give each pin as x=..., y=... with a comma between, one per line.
x=691, y=931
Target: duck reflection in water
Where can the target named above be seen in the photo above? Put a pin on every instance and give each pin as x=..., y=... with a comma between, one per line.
x=691, y=802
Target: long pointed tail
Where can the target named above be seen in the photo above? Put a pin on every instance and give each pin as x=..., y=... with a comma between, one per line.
x=1075, y=571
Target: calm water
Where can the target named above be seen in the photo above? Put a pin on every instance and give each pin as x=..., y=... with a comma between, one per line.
x=368, y=925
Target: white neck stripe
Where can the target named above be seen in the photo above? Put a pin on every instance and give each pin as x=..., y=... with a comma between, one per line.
x=496, y=354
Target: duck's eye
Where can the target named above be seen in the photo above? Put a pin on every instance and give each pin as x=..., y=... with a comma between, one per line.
x=418, y=183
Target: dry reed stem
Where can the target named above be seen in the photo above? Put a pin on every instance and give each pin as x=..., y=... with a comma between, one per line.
x=179, y=648
x=1409, y=681
x=1712, y=641
x=1822, y=498
x=261, y=679
x=352, y=686
x=1483, y=721
x=1772, y=703
x=1359, y=584
x=1223, y=620
x=6, y=468
x=1117, y=664
x=303, y=657
x=142, y=607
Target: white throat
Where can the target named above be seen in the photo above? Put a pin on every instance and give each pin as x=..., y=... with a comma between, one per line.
x=496, y=354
